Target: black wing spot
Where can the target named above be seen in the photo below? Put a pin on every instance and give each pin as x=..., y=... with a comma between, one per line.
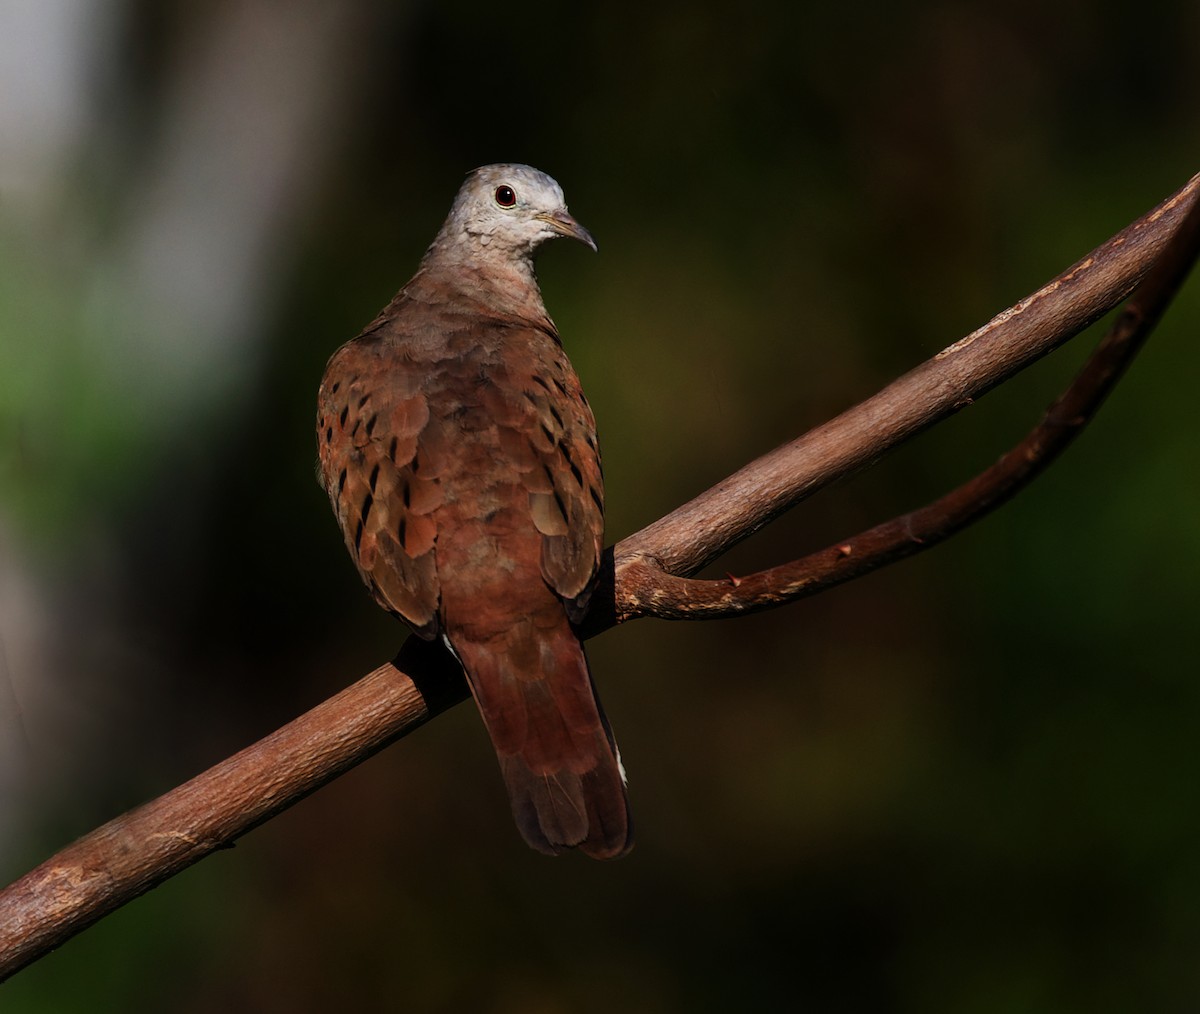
x=363, y=400
x=374, y=477
x=401, y=531
x=341, y=481
x=392, y=449
x=336, y=385
x=596, y=498
x=561, y=506
x=406, y=495
x=344, y=415
x=557, y=417
x=561, y=386
x=358, y=536
x=539, y=381
x=328, y=434
x=549, y=434
x=575, y=471
x=368, y=502
x=371, y=424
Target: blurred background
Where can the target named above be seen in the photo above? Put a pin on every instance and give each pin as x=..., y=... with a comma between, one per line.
x=967, y=783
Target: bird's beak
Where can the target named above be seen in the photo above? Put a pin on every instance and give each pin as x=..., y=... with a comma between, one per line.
x=565, y=225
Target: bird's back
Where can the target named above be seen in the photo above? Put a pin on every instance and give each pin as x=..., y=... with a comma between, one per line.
x=461, y=458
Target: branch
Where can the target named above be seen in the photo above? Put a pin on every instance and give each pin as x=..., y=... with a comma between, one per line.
x=646, y=589
x=645, y=576
x=140, y=849
x=700, y=531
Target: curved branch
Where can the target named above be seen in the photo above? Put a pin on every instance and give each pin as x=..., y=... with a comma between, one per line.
x=648, y=590
x=701, y=530
x=132, y=853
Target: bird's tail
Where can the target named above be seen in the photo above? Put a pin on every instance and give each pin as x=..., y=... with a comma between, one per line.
x=556, y=751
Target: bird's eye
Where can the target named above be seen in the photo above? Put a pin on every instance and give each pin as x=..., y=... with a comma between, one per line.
x=505, y=197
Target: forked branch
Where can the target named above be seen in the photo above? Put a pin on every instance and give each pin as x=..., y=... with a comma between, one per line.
x=646, y=589
x=648, y=576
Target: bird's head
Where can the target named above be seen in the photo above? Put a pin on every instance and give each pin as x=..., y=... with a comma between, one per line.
x=510, y=209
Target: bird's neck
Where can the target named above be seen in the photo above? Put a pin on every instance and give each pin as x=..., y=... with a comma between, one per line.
x=504, y=283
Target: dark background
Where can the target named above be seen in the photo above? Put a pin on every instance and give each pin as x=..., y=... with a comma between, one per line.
x=967, y=783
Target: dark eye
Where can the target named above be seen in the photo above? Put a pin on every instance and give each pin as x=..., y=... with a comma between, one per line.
x=505, y=197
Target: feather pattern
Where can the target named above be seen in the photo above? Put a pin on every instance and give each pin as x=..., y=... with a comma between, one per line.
x=460, y=457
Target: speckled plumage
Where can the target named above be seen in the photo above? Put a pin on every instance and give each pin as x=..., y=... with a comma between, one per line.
x=460, y=456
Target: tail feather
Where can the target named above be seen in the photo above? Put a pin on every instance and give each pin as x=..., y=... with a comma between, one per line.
x=556, y=753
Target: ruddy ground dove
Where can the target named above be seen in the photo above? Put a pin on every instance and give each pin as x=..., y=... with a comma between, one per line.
x=459, y=454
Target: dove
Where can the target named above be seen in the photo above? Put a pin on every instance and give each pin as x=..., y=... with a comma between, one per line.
x=460, y=456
